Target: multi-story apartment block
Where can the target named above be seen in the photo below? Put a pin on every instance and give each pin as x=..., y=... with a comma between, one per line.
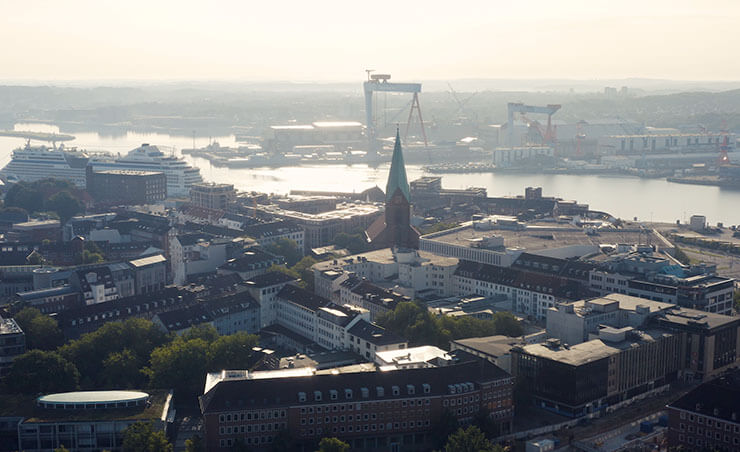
x=394, y=409
x=212, y=196
x=413, y=272
x=531, y=294
x=708, y=417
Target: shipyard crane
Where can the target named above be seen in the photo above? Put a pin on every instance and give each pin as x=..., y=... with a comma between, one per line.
x=724, y=158
x=515, y=107
x=379, y=83
x=461, y=102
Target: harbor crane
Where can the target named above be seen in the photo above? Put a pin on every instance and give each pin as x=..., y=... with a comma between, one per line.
x=379, y=83
x=515, y=107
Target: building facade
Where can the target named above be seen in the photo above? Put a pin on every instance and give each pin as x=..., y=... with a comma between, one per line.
x=212, y=196
x=126, y=186
x=378, y=411
x=707, y=418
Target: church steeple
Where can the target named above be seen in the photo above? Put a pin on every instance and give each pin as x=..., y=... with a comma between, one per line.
x=393, y=229
x=397, y=176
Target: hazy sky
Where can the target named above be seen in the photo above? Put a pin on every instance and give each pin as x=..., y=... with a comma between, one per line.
x=337, y=40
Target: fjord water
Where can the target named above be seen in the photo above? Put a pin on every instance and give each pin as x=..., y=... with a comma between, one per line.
x=625, y=197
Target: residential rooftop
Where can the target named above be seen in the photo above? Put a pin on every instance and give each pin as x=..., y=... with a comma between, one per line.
x=374, y=334
x=343, y=211
x=718, y=398
x=269, y=279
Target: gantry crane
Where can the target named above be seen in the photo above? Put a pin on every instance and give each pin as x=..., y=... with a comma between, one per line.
x=380, y=83
x=515, y=107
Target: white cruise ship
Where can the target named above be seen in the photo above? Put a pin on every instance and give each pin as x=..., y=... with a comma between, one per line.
x=179, y=174
x=32, y=163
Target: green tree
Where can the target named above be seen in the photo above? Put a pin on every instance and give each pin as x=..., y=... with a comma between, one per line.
x=303, y=268
x=26, y=196
x=42, y=332
x=61, y=449
x=354, y=243
x=283, y=269
x=300, y=271
x=91, y=258
x=142, y=437
x=64, y=204
x=123, y=370
x=194, y=444
x=41, y=371
x=114, y=347
x=736, y=298
x=416, y=323
x=507, y=324
x=470, y=439
x=332, y=445
x=204, y=331
x=231, y=352
x=288, y=249
x=181, y=364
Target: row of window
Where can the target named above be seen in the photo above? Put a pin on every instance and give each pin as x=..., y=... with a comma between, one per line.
x=397, y=404
x=709, y=423
x=271, y=427
x=701, y=442
x=367, y=427
x=365, y=392
x=251, y=415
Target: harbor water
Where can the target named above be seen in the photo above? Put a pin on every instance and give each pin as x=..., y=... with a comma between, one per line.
x=625, y=197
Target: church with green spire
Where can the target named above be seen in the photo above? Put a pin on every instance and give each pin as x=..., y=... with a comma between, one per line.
x=393, y=229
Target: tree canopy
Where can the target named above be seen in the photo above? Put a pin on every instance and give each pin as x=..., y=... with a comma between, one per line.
x=42, y=332
x=288, y=249
x=416, y=323
x=332, y=445
x=39, y=371
x=470, y=439
x=142, y=437
x=183, y=363
x=113, y=355
x=55, y=195
x=301, y=270
x=354, y=243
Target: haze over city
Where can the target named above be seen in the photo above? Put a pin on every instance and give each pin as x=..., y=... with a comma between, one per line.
x=333, y=40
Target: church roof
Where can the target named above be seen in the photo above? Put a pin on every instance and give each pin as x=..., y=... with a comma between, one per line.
x=397, y=176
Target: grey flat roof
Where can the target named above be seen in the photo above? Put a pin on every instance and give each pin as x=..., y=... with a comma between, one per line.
x=593, y=350
x=543, y=236
x=490, y=345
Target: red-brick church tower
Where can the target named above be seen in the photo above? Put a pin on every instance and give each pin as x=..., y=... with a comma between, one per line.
x=393, y=229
